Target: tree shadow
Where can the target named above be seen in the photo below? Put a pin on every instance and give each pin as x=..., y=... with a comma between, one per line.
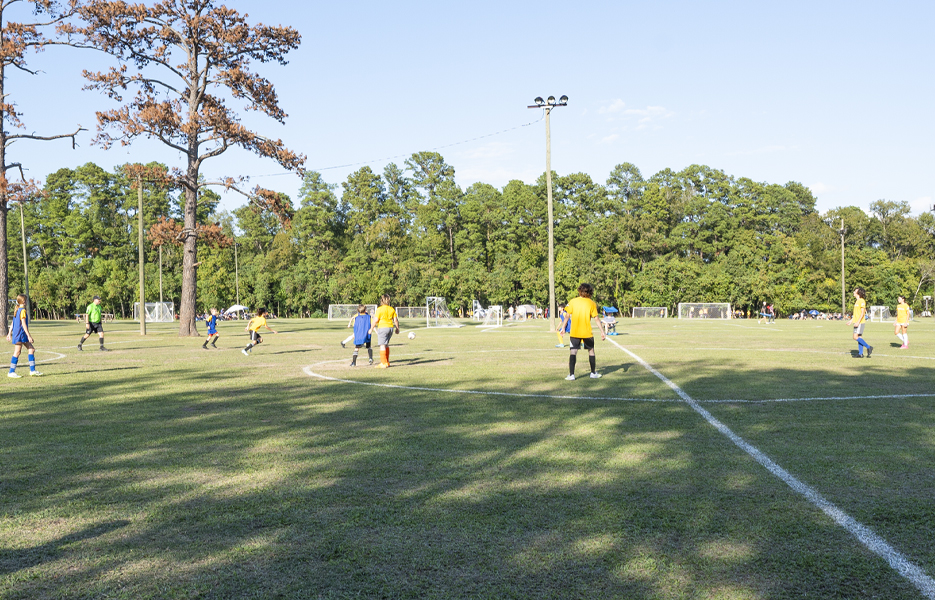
x=12, y=561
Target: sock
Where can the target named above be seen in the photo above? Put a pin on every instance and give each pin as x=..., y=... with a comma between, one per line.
x=561, y=340
x=387, y=355
x=32, y=363
x=593, y=360
x=356, y=352
x=861, y=344
x=370, y=354
x=214, y=341
x=348, y=339
x=83, y=338
x=13, y=362
x=906, y=338
x=249, y=347
x=205, y=345
x=572, y=358
x=102, y=342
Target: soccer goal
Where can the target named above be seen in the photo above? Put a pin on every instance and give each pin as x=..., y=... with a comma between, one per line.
x=343, y=312
x=437, y=313
x=524, y=312
x=650, y=312
x=477, y=311
x=411, y=312
x=881, y=314
x=704, y=310
x=156, y=312
x=493, y=317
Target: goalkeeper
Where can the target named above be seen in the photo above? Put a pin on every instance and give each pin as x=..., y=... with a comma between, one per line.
x=579, y=313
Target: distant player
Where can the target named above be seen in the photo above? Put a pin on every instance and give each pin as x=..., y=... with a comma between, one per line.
x=562, y=330
x=902, y=322
x=385, y=323
x=361, y=323
x=92, y=323
x=19, y=336
x=213, y=336
x=579, y=313
x=254, y=328
x=858, y=320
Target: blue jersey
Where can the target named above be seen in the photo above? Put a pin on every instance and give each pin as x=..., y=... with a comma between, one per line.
x=212, y=324
x=361, y=329
x=20, y=319
x=561, y=316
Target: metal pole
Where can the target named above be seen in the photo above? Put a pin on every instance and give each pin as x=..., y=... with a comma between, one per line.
x=139, y=186
x=160, y=274
x=843, y=293
x=236, y=273
x=548, y=183
x=22, y=225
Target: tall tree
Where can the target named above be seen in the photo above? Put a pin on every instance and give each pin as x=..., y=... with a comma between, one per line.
x=17, y=40
x=186, y=59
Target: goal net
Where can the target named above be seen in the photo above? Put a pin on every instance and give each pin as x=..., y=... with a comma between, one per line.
x=477, y=311
x=704, y=310
x=493, y=317
x=525, y=312
x=156, y=312
x=880, y=313
x=437, y=313
x=650, y=312
x=411, y=312
x=343, y=312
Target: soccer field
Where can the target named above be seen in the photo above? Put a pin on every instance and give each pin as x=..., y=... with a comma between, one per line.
x=714, y=459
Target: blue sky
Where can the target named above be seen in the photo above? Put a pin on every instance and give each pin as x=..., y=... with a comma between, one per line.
x=835, y=95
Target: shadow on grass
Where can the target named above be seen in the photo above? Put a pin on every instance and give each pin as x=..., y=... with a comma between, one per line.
x=25, y=558
x=316, y=489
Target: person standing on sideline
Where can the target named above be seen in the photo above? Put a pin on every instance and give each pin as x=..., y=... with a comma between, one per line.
x=857, y=321
x=19, y=336
x=361, y=323
x=902, y=322
x=213, y=336
x=92, y=323
x=562, y=330
x=385, y=324
x=579, y=313
x=254, y=328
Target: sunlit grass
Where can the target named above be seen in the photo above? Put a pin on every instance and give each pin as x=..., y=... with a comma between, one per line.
x=161, y=470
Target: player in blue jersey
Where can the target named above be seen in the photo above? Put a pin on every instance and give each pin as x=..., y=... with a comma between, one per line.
x=212, y=330
x=19, y=336
x=562, y=331
x=361, y=323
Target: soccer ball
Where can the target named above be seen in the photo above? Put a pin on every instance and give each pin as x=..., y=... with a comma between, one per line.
x=412, y=335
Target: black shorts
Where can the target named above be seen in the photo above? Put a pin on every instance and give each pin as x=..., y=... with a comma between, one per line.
x=94, y=328
x=364, y=345
x=255, y=337
x=588, y=343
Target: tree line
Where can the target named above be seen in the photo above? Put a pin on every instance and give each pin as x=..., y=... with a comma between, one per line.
x=695, y=235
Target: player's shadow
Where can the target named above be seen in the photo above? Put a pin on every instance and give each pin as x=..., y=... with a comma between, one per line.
x=12, y=561
x=86, y=371
x=303, y=351
x=625, y=367
x=418, y=361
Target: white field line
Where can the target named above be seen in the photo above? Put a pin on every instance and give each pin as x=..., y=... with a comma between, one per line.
x=58, y=356
x=864, y=535
x=877, y=397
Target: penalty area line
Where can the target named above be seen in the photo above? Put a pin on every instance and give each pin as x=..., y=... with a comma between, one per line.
x=873, y=542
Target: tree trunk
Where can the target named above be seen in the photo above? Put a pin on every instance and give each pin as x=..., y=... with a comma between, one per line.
x=187, y=325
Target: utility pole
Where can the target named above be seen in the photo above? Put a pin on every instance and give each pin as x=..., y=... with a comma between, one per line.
x=548, y=105
x=160, y=275
x=843, y=292
x=236, y=272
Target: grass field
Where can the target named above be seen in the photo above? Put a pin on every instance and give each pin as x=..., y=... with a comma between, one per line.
x=471, y=469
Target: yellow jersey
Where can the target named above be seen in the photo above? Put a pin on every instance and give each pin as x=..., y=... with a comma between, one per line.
x=581, y=310
x=385, y=315
x=860, y=308
x=256, y=323
x=902, y=313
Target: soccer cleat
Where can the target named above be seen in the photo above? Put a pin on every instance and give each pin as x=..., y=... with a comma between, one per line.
x=245, y=353
x=213, y=346
x=353, y=363
x=204, y=347
x=80, y=349
x=384, y=366
x=903, y=347
x=559, y=345
x=342, y=345
x=570, y=378
x=13, y=375
x=869, y=351
x=35, y=374
x=103, y=349
x=371, y=362
x=595, y=375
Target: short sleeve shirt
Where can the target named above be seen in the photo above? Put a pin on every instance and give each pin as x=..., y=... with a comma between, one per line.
x=385, y=315
x=256, y=323
x=860, y=306
x=94, y=313
x=582, y=310
x=902, y=313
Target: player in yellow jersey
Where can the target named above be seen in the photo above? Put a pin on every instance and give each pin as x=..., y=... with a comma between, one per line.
x=902, y=322
x=579, y=313
x=857, y=321
x=254, y=328
x=385, y=323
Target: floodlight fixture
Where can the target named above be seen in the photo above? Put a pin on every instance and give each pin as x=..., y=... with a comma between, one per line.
x=539, y=101
x=563, y=100
x=551, y=100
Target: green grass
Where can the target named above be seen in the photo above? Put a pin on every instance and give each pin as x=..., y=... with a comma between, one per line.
x=160, y=470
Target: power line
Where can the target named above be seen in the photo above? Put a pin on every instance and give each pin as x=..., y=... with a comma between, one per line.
x=367, y=162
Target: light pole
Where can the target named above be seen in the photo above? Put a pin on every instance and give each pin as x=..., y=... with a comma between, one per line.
x=236, y=272
x=548, y=105
x=22, y=225
x=842, y=231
